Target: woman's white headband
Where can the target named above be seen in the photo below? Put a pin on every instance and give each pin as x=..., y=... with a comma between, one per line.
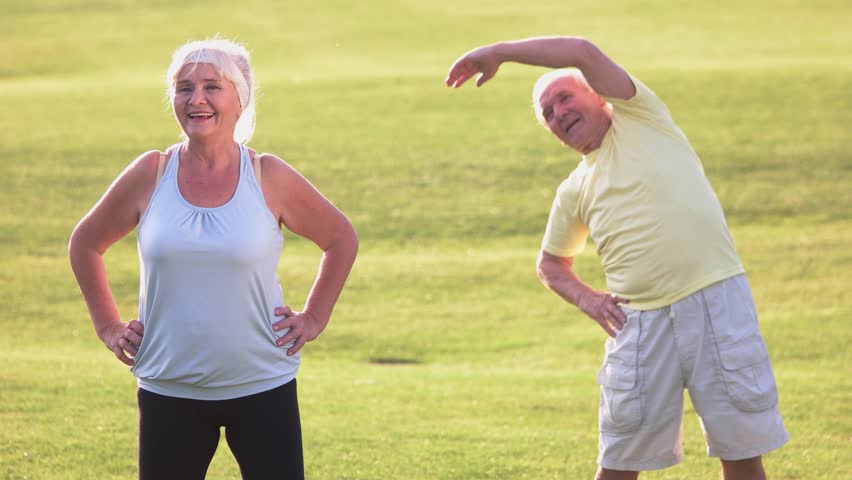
x=232, y=72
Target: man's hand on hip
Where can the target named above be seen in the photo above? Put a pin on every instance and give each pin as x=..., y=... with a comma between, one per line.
x=603, y=308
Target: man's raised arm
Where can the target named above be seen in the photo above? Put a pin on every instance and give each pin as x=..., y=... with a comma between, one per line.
x=606, y=77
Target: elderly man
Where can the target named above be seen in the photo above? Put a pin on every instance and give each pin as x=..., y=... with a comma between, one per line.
x=679, y=311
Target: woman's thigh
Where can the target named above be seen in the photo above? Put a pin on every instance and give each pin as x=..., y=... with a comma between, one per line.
x=177, y=437
x=265, y=434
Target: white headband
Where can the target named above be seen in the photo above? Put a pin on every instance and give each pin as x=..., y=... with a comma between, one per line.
x=232, y=72
x=242, y=90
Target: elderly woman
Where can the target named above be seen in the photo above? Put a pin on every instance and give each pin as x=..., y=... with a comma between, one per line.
x=213, y=346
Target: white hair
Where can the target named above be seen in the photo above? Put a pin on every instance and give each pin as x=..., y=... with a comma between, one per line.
x=231, y=61
x=544, y=81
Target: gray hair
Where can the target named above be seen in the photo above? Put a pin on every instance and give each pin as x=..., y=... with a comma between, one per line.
x=231, y=61
x=544, y=81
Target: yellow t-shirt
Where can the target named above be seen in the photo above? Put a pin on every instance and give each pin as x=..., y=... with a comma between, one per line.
x=644, y=200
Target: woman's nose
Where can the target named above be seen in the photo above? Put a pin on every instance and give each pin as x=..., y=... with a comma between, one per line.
x=197, y=97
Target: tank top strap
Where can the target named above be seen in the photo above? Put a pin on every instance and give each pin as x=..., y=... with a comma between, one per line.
x=245, y=164
x=161, y=162
x=247, y=168
x=163, y=168
x=256, y=163
x=174, y=157
x=160, y=165
x=161, y=187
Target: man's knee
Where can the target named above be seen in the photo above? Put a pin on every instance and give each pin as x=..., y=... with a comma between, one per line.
x=745, y=469
x=606, y=474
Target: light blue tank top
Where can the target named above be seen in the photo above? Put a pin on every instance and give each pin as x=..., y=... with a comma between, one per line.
x=208, y=290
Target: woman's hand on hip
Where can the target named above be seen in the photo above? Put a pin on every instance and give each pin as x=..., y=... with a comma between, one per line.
x=304, y=327
x=123, y=339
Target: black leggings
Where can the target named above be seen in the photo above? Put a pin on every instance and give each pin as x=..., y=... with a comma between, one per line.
x=178, y=436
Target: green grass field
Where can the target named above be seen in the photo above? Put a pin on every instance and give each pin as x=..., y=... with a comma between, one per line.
x=445, y=358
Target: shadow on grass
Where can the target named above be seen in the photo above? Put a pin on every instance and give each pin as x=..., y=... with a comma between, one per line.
x=394, y=361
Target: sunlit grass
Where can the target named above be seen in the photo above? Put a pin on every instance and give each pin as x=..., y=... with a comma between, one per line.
x=445, y=357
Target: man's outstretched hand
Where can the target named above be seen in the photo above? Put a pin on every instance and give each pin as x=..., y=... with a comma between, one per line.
x=482, y=61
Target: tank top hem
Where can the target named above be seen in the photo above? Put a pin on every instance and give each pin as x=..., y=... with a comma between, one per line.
x=194, y=392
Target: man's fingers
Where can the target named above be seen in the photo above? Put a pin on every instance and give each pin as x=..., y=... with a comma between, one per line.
x=484, y=78
x=461, y=71
x=615, y=321
x=614, y=311
x=608, y=329
x=283, y=311
x=452, y=76
x=454, y=73
x=460, y=80
x=617, y=315
x=605, y=325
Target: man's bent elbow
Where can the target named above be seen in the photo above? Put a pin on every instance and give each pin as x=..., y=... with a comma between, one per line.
x=551, y=268
x=348, y=239
x=353, y=240
x=542, y=269
x=75, y=243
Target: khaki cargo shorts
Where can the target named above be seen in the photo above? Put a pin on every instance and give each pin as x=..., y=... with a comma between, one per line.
x=708, y=343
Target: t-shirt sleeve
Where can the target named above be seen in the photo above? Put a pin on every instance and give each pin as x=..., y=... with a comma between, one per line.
x=644, y=108
x=565, y=235
x=645, y=104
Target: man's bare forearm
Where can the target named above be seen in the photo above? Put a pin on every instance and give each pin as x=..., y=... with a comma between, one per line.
x=552, y=52
x=557, y=274
x=605, y=76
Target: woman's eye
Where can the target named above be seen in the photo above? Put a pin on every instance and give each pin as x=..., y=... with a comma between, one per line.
x=212, y=87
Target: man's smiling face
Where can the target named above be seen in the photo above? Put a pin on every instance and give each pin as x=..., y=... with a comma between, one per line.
x=574, y=113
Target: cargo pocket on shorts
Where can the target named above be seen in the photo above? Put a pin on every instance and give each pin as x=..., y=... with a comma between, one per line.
x=743, y=358
x=620, y=404
x=748, y=375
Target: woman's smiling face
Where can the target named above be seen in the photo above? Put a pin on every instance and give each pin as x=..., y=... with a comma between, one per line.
x=205, y=103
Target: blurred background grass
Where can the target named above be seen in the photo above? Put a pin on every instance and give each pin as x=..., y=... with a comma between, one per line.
x=445, y=358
